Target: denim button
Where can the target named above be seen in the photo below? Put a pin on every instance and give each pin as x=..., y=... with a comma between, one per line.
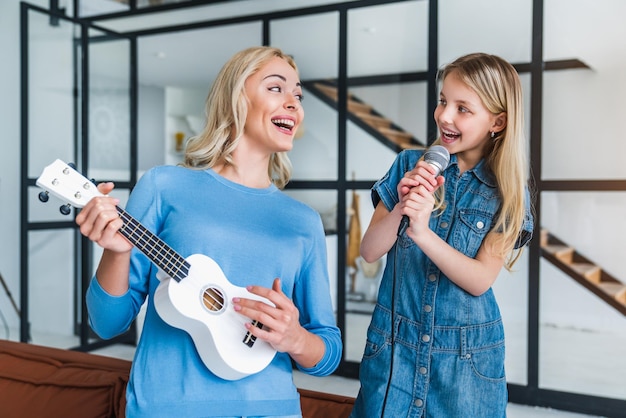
x=444, y=224
x=419, y=403
x=423, y=370
x=426, y=338
x=428, y=308
x=432, y=277
x=480, y=225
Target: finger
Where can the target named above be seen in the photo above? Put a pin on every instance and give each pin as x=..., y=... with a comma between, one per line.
x=106, y=187
x=276, y=286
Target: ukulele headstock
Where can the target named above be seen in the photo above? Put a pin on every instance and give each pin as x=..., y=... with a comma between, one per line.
x=64, y=182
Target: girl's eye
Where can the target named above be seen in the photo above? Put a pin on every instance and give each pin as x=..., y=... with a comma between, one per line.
x=442, y=102
x=463, y=109
x=275, y=88
x=300, y=97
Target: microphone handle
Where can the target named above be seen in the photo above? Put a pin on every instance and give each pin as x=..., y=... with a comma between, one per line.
x=404, y=224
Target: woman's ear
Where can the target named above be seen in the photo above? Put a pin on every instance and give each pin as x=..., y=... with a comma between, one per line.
x=499, y=123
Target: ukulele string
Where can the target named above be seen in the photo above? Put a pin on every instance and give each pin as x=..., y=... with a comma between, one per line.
x=177, y=269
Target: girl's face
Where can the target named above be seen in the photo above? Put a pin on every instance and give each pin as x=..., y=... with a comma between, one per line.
x=464, y=122
x=274, y=107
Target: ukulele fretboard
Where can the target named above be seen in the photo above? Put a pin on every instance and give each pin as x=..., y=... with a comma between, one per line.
x=153, y=247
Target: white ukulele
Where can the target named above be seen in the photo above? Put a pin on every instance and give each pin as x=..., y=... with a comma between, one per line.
x=193, y=294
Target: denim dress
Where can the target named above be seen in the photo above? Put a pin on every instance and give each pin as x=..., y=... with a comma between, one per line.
x=448, y=355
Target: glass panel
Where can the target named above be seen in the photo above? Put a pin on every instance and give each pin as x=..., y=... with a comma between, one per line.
x=404, y=106
x=51, y=314
x=88, y=8
x=493, y=26
x=376, y=48
x=511, y=290
x=576, y=143
x=185, y=88
x=582, y=336
x=109, y=107
x=385, y=115
x=51, y=92
x=314, y=154
x=325, y=202
x=362, y=278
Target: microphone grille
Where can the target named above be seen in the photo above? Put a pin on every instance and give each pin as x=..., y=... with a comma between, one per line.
x=439, y=156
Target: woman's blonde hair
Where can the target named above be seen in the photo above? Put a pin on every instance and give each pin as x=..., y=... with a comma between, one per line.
x=226, y=111
x=497, y=84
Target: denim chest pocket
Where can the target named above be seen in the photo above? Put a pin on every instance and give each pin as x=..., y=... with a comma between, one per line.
x=470, y=229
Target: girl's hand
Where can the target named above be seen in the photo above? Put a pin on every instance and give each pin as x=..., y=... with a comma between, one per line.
x=416, y=190
x=422, y=174
x=99, y=221
x=418, y=205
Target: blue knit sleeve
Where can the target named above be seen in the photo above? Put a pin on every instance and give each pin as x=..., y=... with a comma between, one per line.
x=312, y=298
x=111, y=315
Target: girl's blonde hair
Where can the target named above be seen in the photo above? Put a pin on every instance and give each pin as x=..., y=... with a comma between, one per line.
x=226, y=111
x=498, y=85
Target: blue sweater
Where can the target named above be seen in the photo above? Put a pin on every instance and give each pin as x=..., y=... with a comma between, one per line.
x=254, y=235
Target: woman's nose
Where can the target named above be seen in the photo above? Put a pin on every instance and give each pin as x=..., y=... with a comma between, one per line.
x=292, y=103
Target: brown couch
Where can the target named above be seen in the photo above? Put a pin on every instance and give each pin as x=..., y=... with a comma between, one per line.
x=45, y=382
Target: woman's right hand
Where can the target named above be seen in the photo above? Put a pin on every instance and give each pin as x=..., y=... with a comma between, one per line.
x=100, y=222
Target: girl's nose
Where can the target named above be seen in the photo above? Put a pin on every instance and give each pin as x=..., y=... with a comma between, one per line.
x=445, y=114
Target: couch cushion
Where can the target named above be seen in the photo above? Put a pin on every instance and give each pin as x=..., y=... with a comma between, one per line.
x=324, y=405
x=38, y=381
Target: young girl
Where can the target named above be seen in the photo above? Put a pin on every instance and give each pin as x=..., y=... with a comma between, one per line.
x=435, y=344
x=225, y=203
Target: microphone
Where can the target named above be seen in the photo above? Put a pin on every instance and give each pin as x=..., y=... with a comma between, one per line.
x=439, y=158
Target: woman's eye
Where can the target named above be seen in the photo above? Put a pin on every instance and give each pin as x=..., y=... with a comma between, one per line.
x=442, y=102
x=275, y=88
x=463, y=109
x=300, y=97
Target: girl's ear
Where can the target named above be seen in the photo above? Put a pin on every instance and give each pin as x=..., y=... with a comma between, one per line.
x=499, y=123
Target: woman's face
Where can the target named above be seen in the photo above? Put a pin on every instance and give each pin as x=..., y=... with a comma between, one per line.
x=464, y=122
x=274, y=107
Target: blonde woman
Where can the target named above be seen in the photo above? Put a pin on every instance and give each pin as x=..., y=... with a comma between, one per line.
x=225, y=203
x=435, y=345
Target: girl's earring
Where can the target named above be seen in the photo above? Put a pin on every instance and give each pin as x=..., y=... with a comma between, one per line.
x=493, y=134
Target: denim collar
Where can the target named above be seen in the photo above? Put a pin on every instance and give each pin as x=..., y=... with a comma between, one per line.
x=480, y=171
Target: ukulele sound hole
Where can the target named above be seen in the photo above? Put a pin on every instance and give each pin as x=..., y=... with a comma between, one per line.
x=213, y=299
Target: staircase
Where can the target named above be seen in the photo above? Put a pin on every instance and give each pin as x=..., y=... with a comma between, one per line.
x=364, y=115
x=584, y=271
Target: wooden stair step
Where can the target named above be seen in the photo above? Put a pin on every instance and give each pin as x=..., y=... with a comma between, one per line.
x=543, y=237
x=616, y=290
x=359, y=107
x=589, y=271
x=374, y=121
x=401, y=138
x=330, y=91
x=562, y=252
x=354, y=106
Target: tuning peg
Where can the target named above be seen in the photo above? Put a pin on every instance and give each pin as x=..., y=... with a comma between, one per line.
x=65, y=209
x=44, y=196
x=72, y=165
